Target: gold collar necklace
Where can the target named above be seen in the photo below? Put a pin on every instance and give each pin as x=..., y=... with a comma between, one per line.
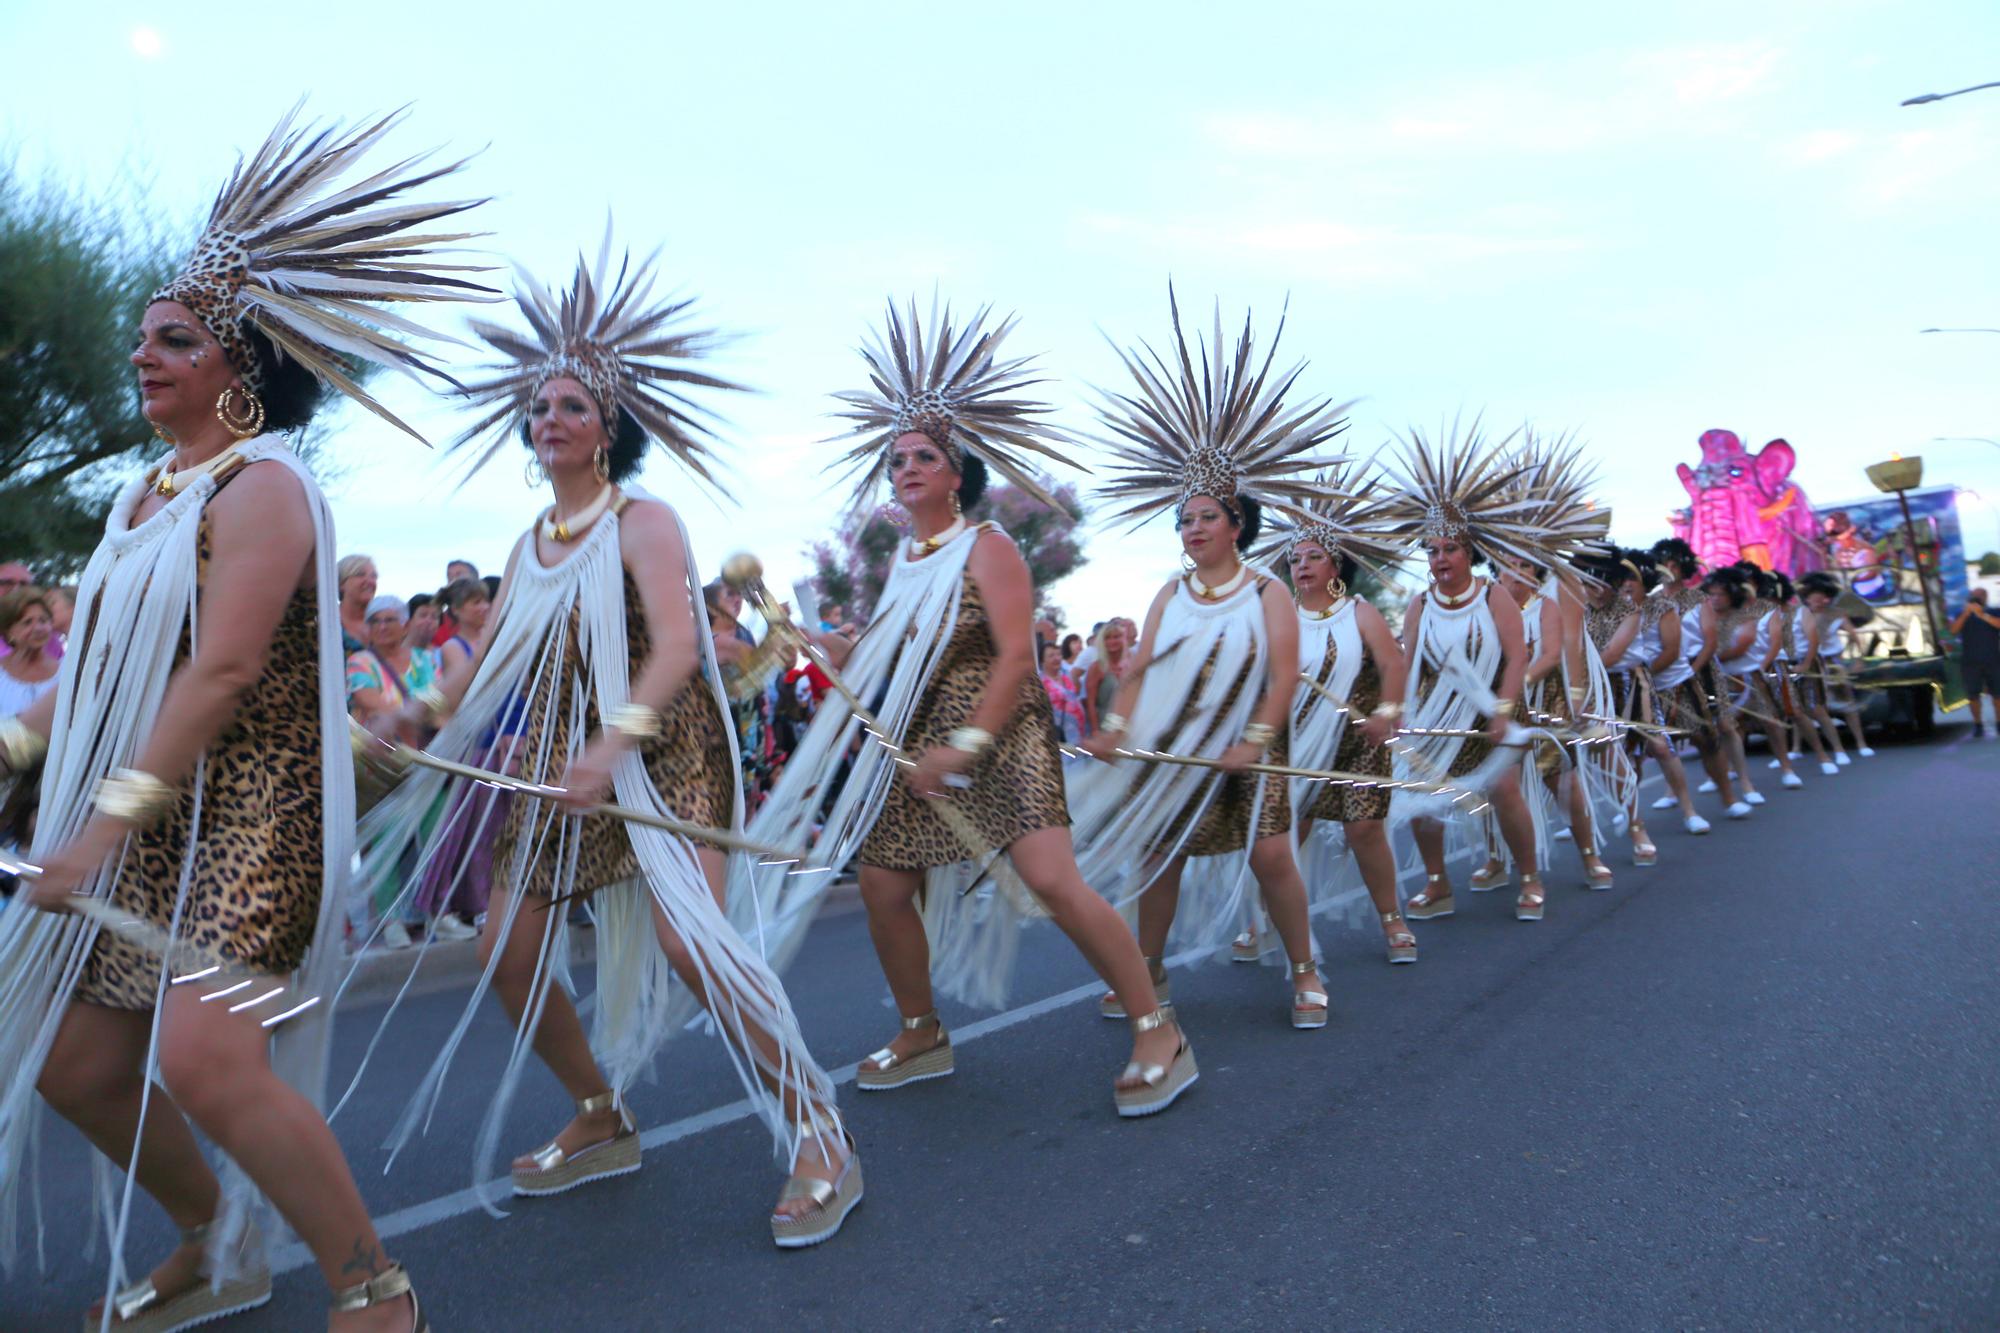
x=1450, y=603
x=923, y=546
x=1220, y=590
x=565, y=529
x=169, y=482
x=1327, y=614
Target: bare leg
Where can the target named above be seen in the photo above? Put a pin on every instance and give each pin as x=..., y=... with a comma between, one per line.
x=1277, y=872
x=93, y=1078
x=217, y=1065
x=1732, y=749
x=1157, y=906
x=1825, y=720
x=559, y=1038
x=1429, y=834
x=1675, y=773
x=897, y=929
x=1517, y=826
x=1046, y=860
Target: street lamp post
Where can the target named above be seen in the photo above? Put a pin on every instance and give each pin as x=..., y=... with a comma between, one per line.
x=1921, y=98
x=1898, y=476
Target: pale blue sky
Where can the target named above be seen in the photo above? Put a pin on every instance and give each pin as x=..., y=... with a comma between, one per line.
x=1635, y=221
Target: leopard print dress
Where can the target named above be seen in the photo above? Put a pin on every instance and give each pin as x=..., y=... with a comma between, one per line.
x=257, y=872
x=1355, y=754
x=692, y=763
x=1017, y=784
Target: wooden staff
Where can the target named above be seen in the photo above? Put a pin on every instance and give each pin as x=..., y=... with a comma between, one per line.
x=213, y=967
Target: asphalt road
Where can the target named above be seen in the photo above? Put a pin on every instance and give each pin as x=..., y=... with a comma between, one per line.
x=1753, y=1087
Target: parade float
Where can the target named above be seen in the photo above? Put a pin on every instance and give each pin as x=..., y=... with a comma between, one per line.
x=1899, y=553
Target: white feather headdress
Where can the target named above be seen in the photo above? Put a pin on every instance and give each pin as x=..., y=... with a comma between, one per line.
x=303, y=258
x=1209, y=422
x=1467, y=487
x=1353, y=514
x=952, y=385
x=633, y=356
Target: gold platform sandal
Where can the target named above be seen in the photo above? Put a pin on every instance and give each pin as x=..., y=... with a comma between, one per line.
x=1528, y=907
x=1396, y=932
x=1110, y=1006
x=556, y=1171
x=1596, y=872
x=832, y=1201
x=1163, y=1084
x=893, y=1071
x=141, y=1308
x=1308, y=1006
x=1432, y=903
x=391, y=1284
x=1245, y=948
x=1488, y=877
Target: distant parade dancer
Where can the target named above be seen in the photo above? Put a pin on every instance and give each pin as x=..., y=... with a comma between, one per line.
x=197, y=773
x=600, y=659
x=1690, y=700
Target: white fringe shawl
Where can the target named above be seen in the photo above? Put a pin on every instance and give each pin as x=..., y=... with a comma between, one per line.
x=1610, y=782
x=138, y=593
x=639, y=1003
x=1122, y=813
x=1462, y=646
x=1333, y=881
x=890, y=670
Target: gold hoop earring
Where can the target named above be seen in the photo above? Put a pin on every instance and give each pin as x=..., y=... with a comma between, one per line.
x=1187, y=562
x=602, y=462
x=955, y=510
x=246, y=423
x=536, y=474
x=1336, y=587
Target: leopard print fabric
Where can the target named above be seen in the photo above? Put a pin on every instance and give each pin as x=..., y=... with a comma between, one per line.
x=257, y=875
x=1355, y=755
x=1017, y=784
x=1472, y=750
x=692, y=763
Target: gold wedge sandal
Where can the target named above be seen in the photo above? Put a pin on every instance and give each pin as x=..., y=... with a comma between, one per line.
x=556, y=1171
x=1433, y=902
x=1163, y=1084
x=1245, y=948
x=1488, y=877
x=1396, y=932
x=832, y=1201
x=1528, y=907
x=391, y=1284
x=893, y=1071
x=141, y=1308
x=1308, y=1006
x=1596, y=873
x=1110, y=1006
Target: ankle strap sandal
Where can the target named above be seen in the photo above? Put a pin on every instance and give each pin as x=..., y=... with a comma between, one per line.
x=1308, y=1006
x=391, y=1284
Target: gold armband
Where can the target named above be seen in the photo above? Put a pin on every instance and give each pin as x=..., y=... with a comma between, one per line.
x=21, y=746
x=635, y=722
x=1114, y=724
x=1260, y=734
x=432, y=698
x=1502, y=708
x=1389, y=708
x=134, y=797
x=970, y=740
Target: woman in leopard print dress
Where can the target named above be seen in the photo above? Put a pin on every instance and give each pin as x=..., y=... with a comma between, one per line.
x=207, y=658
x=601, y=630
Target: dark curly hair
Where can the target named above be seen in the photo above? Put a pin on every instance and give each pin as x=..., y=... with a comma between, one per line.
x=628, y=446
x=1676, y=552
x=971, y=480
x=291, y=394
x=1731, y=581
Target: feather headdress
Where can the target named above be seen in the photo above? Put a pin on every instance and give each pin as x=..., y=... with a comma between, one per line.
x=952, y=385
x=632, y=355
x=306, y=259
x=1213, y=423
x=1469, y=488
x=1556, y=475
x=1354, y=514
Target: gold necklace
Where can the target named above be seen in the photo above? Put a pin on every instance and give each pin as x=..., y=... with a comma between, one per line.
x=923, y=546
x=169, y=482
x=565, y=529
x=1450, y=603
x=1327, y=614
x=1220, y=590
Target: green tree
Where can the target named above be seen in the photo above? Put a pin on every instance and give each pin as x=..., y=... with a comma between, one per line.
x=851, y=566
x=74, y=276
x=1989, y=564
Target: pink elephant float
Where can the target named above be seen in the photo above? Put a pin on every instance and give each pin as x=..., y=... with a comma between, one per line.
x=1744, y=507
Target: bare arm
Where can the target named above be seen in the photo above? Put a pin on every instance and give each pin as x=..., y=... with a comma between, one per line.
x=1670, y=642
x=1387, y=655
x=1002, y=575
x=1513, y=642
x=1740, y=640
x=1711, y=630
x=1413, y=624
x=1090, y=679
x=1102, y=743
x=1621, y=639
x=261, y=548
x=1549, y=651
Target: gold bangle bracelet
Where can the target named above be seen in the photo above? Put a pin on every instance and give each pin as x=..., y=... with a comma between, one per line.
x=635, y=722
x=1260, y=734
x=1503, y=708
x=971, y=740
x=1389, y=708
x=134, y=797
x=21, y=746
x=432, y=698
x=1114, y=724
